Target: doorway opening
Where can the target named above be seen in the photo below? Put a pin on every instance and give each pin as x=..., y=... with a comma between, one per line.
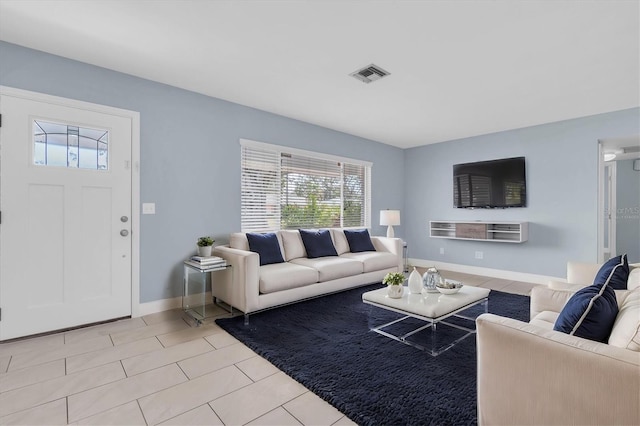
x=619, y=198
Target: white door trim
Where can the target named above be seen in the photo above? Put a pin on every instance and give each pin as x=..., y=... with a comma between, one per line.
x=607, y=217
x=613, y=209
x=600, y=204
x=135, y=176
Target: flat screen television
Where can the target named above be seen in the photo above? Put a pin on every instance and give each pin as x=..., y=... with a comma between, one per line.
x=490, y=184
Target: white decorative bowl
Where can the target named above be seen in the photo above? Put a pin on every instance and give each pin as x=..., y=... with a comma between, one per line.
x=449, y=287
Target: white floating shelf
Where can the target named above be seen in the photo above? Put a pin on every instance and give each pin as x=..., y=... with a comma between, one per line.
x=503, y=232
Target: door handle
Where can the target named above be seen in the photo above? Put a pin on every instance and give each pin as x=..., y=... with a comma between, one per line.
x=124, y=232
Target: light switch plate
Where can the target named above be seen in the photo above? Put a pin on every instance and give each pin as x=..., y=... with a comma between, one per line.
x=148, y=208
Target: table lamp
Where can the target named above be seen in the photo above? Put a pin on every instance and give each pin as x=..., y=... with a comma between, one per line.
x=389, y=218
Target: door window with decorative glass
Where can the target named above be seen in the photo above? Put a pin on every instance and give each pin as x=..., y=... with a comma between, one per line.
x=64, y=145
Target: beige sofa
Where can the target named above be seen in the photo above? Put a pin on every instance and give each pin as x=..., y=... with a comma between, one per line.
x=529, y=374
x=251, y=287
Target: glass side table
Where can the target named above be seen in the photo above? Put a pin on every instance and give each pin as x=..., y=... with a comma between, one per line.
x=197, y=299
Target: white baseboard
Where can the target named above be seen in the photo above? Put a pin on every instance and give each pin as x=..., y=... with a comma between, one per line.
x=156, y=306
x=488, y=272
x=148, y=308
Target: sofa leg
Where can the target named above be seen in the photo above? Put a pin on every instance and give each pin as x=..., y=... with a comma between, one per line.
x=246, y=319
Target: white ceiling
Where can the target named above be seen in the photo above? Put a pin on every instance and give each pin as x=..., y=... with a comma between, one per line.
x=458, y=68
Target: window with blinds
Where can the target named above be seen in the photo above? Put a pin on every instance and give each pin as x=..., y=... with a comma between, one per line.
x=284, y=188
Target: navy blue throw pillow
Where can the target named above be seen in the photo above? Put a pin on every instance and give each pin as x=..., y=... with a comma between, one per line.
x=359, y=240
x=615, y=272
x=590, y=313
x=266, y=245
x=317, y=243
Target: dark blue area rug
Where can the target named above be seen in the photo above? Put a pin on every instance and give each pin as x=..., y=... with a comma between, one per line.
x=326, y=344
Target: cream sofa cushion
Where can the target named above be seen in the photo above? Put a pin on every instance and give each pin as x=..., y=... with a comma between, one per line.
x=331, y=267
x=634, y=276
x=626, y=330
x=283, y=276
x=582, y=272
x=293, y=245
x=564, y=286
x=374, y=260
x=238, y=240
x=339, y=241
x=545, y=319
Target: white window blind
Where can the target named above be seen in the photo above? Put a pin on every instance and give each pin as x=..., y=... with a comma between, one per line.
x=260, y=199
x=290, y=189
x=356, y=195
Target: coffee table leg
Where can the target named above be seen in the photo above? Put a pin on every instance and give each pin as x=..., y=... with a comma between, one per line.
x=434, y=346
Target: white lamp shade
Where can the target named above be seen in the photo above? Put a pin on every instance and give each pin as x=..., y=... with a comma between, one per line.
x=390, y=217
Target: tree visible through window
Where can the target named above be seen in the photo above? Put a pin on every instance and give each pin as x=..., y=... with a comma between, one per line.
x=284, y=190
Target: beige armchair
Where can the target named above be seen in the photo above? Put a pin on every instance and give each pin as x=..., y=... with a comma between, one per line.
x=530, y=374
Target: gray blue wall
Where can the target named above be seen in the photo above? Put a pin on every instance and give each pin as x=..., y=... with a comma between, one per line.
x=190, y=155
x=190, y=167
x=628, y=210
x=562, y=187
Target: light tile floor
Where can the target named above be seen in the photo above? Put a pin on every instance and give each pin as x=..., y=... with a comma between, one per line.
x=160, y=369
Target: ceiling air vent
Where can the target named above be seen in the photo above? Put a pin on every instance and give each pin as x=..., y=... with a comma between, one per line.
x=370, y=73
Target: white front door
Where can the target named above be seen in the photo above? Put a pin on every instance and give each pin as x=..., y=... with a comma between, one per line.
x=65, y=230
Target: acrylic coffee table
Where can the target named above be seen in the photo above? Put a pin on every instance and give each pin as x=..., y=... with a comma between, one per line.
x=434, y=309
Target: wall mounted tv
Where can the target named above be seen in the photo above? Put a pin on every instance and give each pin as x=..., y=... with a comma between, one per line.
x=490, y=184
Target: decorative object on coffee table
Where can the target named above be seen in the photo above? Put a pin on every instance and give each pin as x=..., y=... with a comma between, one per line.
x=415, y=282
x=394, y=281
x=430, y=279
x=205, y=245
x=449, y=286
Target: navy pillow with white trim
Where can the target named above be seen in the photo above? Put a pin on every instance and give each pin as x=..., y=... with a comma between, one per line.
x=590, y=313
x=317, y=243
x=267, y=247
x=615, y=271
x=359, y=240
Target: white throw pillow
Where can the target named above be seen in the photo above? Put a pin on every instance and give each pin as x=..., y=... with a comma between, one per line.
x=238, y=240
x=293, y=245
x=339, y=240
